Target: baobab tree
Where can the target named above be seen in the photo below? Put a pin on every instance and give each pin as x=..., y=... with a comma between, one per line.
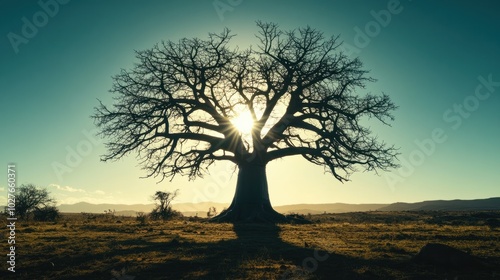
x=188, y=104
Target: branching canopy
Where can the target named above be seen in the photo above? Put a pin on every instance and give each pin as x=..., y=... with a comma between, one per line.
x=176, y=106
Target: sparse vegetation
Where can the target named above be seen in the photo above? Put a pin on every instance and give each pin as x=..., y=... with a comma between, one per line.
x=212, y=212
x=30, y=199
x=141, y=218
x=363, y=245
x=163, y=209
x=110, y=212
x=46, y=214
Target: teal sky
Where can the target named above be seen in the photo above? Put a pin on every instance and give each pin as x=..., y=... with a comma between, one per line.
x=438, y=60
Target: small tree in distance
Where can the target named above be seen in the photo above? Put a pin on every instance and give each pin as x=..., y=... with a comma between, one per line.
x=212, y=212
x=163, y=209
x=31, y=199
x=189, y=104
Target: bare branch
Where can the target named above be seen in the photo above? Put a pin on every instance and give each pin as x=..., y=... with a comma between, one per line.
x=175, y=106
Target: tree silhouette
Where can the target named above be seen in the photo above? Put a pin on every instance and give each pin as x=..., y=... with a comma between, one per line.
x=163, y=209
x=176, y=108
x=31, y=199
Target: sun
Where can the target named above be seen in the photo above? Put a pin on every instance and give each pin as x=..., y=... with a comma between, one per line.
x=243, y=122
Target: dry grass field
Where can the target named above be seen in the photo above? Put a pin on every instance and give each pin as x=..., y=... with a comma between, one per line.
x=365, y=245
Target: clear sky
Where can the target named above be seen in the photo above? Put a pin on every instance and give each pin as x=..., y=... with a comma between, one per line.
x=438, y=60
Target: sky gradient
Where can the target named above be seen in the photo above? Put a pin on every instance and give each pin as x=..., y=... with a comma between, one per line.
x=438, y=60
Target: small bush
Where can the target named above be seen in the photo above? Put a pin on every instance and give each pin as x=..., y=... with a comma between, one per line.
x=47, y=213
x=163, y=209
x=165, y=215
x=141, y=218
x=212, y=212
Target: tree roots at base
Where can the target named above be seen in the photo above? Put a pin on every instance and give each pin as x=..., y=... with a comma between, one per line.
x=265, y=216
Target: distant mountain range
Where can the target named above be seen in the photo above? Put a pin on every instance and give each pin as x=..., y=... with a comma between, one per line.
x=200, y=209
x=446, y=205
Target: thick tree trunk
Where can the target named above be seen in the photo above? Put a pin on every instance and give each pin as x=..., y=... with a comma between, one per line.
x=251, y=200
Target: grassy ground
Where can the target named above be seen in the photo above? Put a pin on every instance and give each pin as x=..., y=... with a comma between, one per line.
x=370, y=245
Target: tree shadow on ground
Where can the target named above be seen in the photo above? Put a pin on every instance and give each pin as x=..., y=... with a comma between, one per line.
x=257, y=252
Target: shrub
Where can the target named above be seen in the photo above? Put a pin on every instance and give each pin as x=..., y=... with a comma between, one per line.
x=212, y=212
x=47, y=213
x=163, y=209
x=141, y=218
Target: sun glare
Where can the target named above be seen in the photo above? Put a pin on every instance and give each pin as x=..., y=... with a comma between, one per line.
x=243, y=122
